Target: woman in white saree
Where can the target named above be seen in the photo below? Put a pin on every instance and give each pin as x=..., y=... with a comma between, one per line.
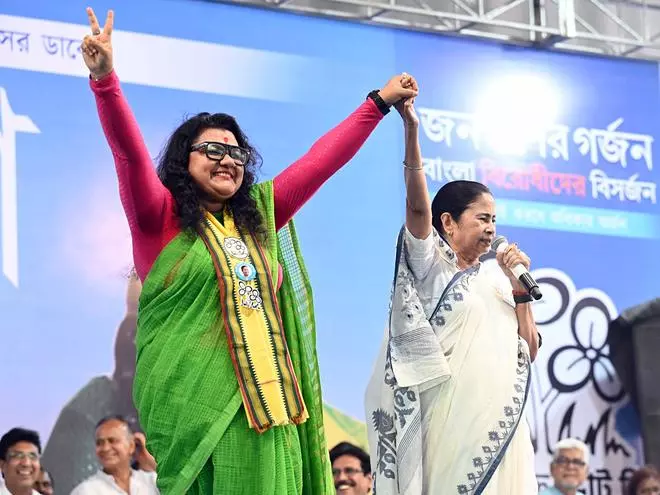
x=445, y=404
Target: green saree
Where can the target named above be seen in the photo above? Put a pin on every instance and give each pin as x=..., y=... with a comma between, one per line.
x=186, y=390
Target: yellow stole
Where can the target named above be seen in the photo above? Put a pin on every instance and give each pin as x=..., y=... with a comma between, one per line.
x=249, y=306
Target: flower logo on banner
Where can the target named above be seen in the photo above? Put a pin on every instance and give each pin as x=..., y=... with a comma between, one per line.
x=575, y=391
x=572, y=367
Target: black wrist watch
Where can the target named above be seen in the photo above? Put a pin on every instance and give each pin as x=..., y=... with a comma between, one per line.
x=522, y=298
x=380, y=103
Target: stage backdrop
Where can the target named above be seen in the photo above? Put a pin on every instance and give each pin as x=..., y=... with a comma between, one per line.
x=565, y=142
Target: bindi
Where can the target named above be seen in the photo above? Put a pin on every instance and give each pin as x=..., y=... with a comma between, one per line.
x=225, y=139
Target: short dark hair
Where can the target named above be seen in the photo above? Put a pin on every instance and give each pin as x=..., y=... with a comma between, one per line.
x=639, y=477
x=114, y=417
x=50, y=476
x=15, y=435
x=454, y=198
x=345, y=448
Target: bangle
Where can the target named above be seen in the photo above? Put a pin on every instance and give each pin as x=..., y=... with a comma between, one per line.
x=380, y=103
x=405, y=165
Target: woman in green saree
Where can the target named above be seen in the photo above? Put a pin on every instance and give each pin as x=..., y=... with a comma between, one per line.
x=227, y=382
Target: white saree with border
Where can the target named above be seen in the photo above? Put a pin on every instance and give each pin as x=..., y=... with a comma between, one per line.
x=445, y=404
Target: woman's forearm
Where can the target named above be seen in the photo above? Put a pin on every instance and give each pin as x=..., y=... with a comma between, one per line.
x=527, y=328
x=142, y=193
x=418, y=202
x=294, y=186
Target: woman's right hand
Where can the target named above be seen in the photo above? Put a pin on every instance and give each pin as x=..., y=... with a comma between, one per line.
x=406, y=107
x=97, y=47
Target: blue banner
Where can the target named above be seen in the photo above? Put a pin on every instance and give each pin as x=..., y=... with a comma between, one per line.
x=565, y=142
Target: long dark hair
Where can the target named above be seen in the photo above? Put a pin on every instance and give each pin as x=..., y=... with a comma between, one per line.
x=174, y=174
x=454, y=198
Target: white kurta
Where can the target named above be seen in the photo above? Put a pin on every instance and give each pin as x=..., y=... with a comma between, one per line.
x=142, y=483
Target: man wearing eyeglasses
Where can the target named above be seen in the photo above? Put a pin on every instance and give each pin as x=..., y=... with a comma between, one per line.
x=20, y=451
x=569, y=467
x=351, y=469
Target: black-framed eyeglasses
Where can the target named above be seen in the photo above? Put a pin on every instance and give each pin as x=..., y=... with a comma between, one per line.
x=565, y=461
x=217, y=151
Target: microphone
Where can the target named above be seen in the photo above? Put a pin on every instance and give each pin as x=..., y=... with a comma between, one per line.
x=500, y=244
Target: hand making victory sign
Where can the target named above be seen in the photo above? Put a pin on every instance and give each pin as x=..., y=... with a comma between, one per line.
x=97, y=47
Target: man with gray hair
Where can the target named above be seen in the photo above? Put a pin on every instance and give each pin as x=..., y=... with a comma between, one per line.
x=115, y=448
x=569, y=467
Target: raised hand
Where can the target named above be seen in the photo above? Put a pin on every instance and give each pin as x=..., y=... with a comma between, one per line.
x=395, y=90
x=405, y=107
x=97, y=47
x=144, y=458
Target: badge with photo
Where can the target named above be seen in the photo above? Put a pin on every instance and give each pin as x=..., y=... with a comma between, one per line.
x=245, y=271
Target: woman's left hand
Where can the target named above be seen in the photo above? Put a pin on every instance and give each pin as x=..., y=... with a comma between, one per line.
x=400, y=87
x=509, y=258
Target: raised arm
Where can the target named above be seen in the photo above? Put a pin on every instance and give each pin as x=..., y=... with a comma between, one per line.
x=298, y=182
x=418, y=202
x=422, y=254
x=143, y=196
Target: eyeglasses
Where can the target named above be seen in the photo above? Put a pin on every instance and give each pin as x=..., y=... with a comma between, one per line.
x=349, y=471
x=565, y=461
x=19, y=456
x=217, y=151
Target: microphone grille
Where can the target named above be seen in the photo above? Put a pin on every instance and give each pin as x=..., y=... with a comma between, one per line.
x=499, y=240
